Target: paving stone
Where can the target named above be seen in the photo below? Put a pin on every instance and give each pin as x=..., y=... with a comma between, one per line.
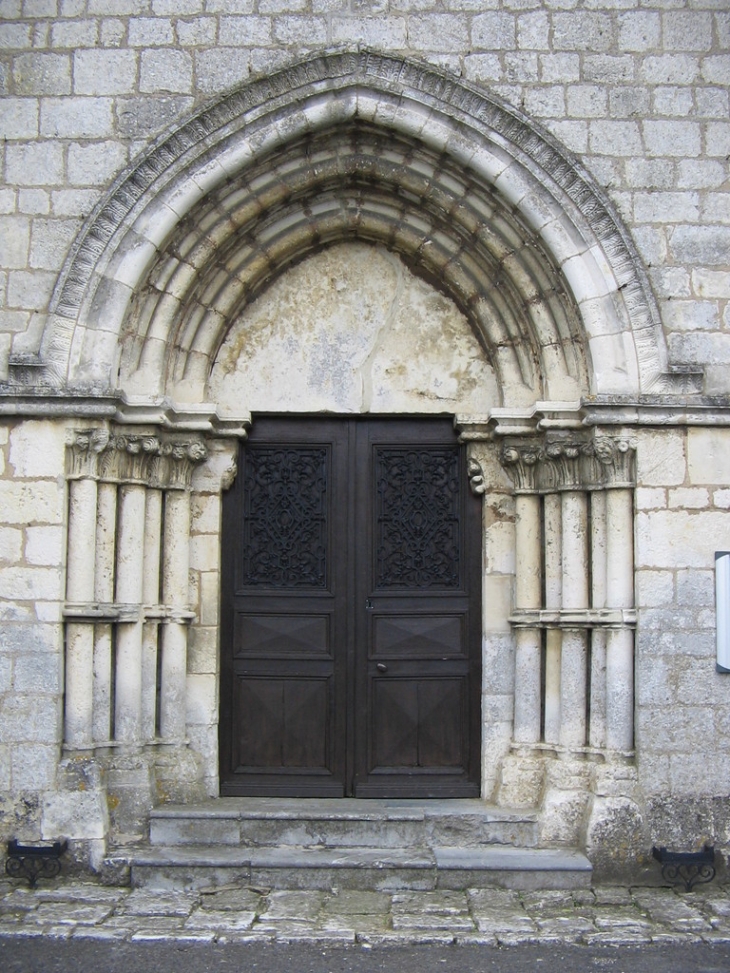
x=506, y=923
x=612, y=895
x=154, y=902
x=664, y=906
x=83, y=893
x=421, y=920
x=293, y=905
x=19, y=901
x=68, y=912
x=567, y=928
x=151, y=936
x=436, y=903
x=620, y=918
x=102, y=932
x=357, y=923
x=226, y=921
x=552, y=899
x=355, y=902
x=615, y=937
x=232, y=900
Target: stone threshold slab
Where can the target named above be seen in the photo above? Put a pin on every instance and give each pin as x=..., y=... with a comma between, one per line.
x=443, y=858
x=241, y=808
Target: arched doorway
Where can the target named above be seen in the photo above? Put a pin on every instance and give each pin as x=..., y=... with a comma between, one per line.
x=479, y=205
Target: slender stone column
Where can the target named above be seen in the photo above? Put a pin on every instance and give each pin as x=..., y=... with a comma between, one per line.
x=175, y=567
x=527, y=595
x=553, y=599
x=130, y=555
x=620, y=648
x=151, y=597
x=80, y=635
x=575, y=595
x=106, y=525
x=597, y=728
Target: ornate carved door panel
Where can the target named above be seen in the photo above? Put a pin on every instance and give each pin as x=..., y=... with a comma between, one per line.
x=351, y=620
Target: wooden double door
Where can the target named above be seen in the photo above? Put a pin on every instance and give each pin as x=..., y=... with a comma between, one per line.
x=350, y=627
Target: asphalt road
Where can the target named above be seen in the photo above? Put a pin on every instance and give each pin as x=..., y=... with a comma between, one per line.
x=47, y=955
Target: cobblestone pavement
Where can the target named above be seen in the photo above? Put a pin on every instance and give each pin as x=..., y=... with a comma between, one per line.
x=608, y=915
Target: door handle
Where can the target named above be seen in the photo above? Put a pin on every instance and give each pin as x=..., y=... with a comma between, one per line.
x=381, y=667
x=368, y=603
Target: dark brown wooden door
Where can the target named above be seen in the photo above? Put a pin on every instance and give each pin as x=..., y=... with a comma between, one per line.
x=350, y=628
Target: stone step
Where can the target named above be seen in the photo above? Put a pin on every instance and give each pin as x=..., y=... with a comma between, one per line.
x=377, y=869
x=344, y=823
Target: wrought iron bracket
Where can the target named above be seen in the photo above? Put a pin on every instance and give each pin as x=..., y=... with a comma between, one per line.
x=34, y=861
x=687, y=868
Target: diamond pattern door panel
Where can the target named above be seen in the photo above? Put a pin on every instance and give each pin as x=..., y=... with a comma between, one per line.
x=350, y=628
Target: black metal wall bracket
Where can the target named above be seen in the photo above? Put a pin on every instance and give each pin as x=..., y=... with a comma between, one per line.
x=688, y=868
x=34, y=861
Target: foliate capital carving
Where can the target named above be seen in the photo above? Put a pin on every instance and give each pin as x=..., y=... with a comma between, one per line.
x=83, y=449
x=151, y=459
x=546, y=465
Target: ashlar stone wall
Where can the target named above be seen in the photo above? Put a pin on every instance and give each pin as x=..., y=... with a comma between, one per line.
x=32, y=535
x=683, y=704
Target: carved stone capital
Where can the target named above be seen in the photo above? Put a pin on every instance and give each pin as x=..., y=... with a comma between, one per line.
x=548, y=464
x=83, y=449
x=164, y=461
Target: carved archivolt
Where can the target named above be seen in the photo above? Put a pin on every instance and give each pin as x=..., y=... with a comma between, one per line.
x=356, y=145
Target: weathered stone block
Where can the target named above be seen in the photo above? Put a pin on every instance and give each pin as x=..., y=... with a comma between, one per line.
x=42, y=74
x=290, y=30
x=74, y=34
x=493, y=31
x=221, y=68
x=51, y=239
x=609, y=137
x=37, y=449
x=24, y=503
x=687, y=30
x=37, y=673
x=166, y=70
x=708, y=456
x=33, y=766
x=660, y=459
x=19, y=118
x=533, y=31
x=76, y=118
x=200, y=32
x=91, y=165
x=654, y=588
x=150, y=32
x=639, y=30
x=678, y=538
x=14, y=241
x=672, y=138
x=670, y=69
x=244, y=31
x=102, y=72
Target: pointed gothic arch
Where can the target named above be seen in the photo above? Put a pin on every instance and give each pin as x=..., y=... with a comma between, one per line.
x=364, y=146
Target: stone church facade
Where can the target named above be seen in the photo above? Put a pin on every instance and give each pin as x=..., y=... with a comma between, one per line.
x=512, y=216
